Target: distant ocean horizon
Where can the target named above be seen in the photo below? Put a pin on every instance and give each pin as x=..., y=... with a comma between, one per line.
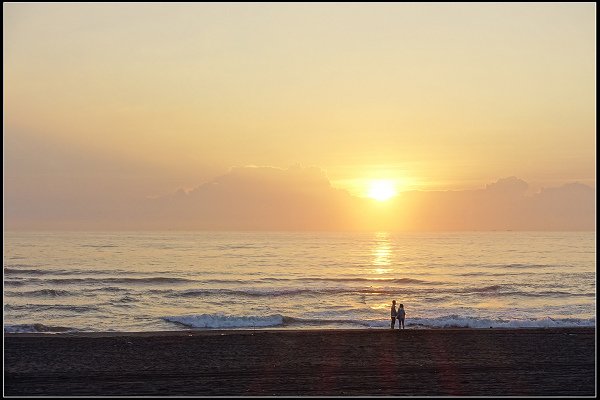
x=173, y=280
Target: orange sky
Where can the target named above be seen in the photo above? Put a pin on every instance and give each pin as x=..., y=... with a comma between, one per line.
x=112, y=103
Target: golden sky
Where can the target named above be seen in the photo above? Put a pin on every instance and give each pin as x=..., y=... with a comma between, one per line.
x=148, y=98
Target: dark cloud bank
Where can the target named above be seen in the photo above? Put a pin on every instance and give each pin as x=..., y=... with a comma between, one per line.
x=297, y=198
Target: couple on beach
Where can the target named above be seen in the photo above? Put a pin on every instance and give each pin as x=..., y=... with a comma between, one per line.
x=400, y=314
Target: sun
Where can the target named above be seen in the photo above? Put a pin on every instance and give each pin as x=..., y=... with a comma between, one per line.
x=381, y=190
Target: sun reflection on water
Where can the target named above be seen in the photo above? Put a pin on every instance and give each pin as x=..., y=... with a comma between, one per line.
x=382, y=254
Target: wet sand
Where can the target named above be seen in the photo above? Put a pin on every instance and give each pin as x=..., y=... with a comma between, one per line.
x=436, y=362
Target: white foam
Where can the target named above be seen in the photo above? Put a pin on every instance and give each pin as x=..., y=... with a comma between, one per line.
x=226, y=321
x=457, y=321
x=222, y=321
x=35, y=328
x=451, y=321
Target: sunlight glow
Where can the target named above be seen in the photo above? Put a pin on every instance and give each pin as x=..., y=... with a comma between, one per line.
x=382, y=190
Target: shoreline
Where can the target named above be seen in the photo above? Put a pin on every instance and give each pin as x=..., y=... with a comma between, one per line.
x=243, y=331
x=286, y=362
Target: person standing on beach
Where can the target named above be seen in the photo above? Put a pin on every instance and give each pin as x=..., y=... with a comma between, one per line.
x=401, y=315
x=394, y=313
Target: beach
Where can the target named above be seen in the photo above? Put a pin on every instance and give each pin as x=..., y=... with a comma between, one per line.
x=335, y=362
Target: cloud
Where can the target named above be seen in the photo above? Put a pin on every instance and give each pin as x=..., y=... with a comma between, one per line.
x=510, y=186
x=261, y=198
x=502, y=205
x=302, y=198
x=570, y=206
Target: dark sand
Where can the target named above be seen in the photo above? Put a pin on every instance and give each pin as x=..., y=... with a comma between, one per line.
x=494, y=362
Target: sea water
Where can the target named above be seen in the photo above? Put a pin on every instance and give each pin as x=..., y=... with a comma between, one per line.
x=151, y=281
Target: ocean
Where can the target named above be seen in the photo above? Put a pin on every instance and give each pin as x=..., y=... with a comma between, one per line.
x=156, y=281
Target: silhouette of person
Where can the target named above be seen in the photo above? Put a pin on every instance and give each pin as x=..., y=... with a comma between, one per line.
x=394, y=313
x=401, y=315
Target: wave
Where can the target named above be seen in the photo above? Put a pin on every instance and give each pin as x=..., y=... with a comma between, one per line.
x=458, y=321
x=125, y=300
x=238, y=292
x=42, y=293
x=499, y=290
x=67, y=281
x=14, y=283
x=20, y=265
x=537, y=266
x=36, y=328
x=237, y=246
x=509, y=290
x=11, y=271
x=15, y=272
x=34, y=271
x=41, y=272
x=277, y=292
x=550, y=294
x=153, y=279
x=223, y=321
x=109, y=289
x=535, y=273
x=16, y=269
x=316, y=279
x=512, y=265
x=46, y=307
x=485, y=291
x=374, y=280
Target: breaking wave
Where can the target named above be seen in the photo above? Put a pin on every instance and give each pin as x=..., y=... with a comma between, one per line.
x=47, y=307
x=36, y=328
x=223, y=321
x=42, y=293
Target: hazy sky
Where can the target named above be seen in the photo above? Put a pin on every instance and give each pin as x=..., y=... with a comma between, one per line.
x=110, y=103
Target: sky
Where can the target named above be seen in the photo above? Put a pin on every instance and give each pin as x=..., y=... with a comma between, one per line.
x=110, y=109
